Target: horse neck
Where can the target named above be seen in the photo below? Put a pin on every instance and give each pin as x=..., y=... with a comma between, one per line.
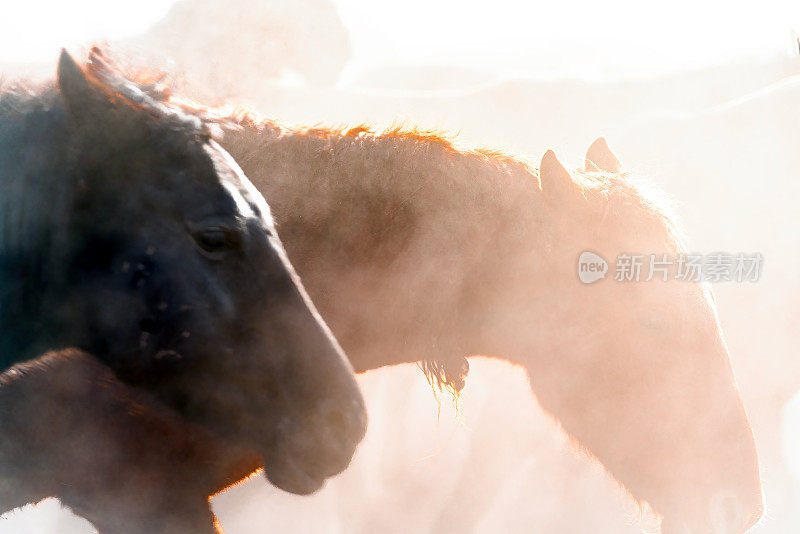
x=35, y=191
x=400, y=240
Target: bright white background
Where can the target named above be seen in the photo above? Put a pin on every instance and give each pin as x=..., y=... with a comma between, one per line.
x=537, y=38
x=574, y=38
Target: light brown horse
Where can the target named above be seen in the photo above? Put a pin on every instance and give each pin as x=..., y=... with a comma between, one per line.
x=415, y=250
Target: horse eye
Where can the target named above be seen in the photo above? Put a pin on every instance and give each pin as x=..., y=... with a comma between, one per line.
x=216, y=239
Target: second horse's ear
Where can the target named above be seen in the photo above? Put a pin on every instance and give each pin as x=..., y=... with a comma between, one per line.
x=555, y=180
x=82, y=100
x=600, y=158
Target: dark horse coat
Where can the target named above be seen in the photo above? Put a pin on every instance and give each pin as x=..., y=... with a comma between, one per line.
x=128, y=232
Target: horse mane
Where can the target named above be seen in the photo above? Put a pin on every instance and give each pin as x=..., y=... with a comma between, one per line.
x=401, y=137
x=486, y=174
x=620, y=194
x=615, y=188
x=140, y=91
x=643, y=206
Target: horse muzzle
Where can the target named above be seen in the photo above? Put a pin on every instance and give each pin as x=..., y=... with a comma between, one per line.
x=322, y=446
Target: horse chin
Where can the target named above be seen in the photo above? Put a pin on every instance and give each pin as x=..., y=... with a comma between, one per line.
x=288, y=475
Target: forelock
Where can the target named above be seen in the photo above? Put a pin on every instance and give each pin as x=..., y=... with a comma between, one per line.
x=148, y=94
x=633, y=199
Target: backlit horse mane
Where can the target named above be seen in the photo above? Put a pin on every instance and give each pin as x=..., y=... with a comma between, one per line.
x=618, y=191
x=141, y=91
x=471, y=172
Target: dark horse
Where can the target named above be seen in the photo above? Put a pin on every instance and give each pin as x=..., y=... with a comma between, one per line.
x=126, y=231
x=416, y=250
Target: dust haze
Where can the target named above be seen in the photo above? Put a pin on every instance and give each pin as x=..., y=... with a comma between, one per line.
x=720, y=139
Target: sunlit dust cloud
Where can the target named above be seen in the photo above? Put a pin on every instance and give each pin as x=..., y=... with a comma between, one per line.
x=37, y=30
x=701, y=98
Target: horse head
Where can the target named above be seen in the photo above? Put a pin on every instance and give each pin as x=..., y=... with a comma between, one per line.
x=636, y=368
x=167, y=267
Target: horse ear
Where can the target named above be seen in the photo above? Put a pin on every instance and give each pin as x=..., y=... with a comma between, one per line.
x=555, y=179
x=81, y=99
x=600, y=158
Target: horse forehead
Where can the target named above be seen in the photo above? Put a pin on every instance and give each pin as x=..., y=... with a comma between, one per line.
x=249, y=201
